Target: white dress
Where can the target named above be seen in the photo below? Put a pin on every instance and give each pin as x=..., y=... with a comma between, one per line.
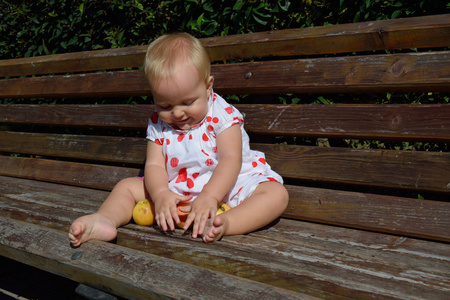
x=191, y=155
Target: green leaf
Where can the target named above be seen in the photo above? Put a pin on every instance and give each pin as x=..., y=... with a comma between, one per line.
x=259, y=20
x=286, y=5
x=323, y=100
x=208, y=7
x=73, y=40
x=356, y=18
x=395, y=14
x=238, y=5
x=200, y=20
x=45, y=48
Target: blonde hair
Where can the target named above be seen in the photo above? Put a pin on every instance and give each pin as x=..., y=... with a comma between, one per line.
x=166, y=53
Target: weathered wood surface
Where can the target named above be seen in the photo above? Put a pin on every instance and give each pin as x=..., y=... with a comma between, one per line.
x=402, y=216
x=417, y=171
x=419, y=32
x=386, y=122
x=422, y=32
x=77, y=147
x=356, y=74
x=123, y=271
x=302, y=257
x=396, y=215
x=79, y=174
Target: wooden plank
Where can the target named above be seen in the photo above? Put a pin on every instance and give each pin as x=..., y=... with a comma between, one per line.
x=419, y=32
x=355, y=74
x=74, y=62
x=77, y=174
x=103, y=116
x=377, y=122
x=386, y=122
x=351, y=74
x=109, y=149
x=396, y=215
x=322, y=269
x=319, y=259
x=416, y=171
x=115, y=268
x=416, y=32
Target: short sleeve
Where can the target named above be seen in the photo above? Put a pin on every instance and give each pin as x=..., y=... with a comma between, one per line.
x=155, y=129
x=224, y=115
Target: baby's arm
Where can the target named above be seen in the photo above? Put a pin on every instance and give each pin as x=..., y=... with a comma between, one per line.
x=156, y=182
x=204, y=207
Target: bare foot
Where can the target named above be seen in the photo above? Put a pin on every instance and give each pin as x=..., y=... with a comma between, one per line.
x=216, y=229
x=93, y=226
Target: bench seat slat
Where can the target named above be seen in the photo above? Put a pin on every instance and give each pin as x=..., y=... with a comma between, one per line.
x=374, y=73
x=310, y=254
x=419, y=32
x=352, y=209
x=386, y=122
x=114, y=267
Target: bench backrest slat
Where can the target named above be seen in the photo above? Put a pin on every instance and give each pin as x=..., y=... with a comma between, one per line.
x=395, y=215
x=424, y=122
x=419, y=32
x=375, y=73
x=424, y=172
x=102, y=177
x=376, y=168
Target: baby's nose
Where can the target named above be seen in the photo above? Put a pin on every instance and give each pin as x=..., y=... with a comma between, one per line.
x=177, y=112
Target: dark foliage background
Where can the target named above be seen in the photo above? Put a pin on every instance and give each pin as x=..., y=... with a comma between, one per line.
x=39, y=27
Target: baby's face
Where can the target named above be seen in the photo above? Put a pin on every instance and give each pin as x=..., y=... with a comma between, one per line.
x=182, y=101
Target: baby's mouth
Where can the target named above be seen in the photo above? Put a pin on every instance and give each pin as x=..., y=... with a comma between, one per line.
x=184, y=121
x=181, y=123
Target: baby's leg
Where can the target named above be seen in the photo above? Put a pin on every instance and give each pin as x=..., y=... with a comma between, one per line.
x=268, y=202
x=116, y=211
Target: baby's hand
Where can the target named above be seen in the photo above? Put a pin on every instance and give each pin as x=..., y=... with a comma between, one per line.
x=202, y=210
x=166, y=209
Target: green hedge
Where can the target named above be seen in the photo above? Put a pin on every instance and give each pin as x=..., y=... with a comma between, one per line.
x=39, y=27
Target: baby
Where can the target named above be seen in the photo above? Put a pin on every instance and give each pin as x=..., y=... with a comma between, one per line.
x=197, y=151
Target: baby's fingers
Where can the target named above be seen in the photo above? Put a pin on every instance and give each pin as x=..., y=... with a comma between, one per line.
x=200, y=222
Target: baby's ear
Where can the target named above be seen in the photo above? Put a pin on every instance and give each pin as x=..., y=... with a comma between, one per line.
x=209, y=85
x=210, y=82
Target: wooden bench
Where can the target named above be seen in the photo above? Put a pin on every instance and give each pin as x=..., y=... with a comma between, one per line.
x=361, y=223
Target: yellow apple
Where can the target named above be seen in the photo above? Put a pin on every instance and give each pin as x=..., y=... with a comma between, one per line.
x=144, y=213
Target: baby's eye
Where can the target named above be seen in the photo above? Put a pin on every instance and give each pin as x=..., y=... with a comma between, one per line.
x=164, y=107
x=187, y=103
